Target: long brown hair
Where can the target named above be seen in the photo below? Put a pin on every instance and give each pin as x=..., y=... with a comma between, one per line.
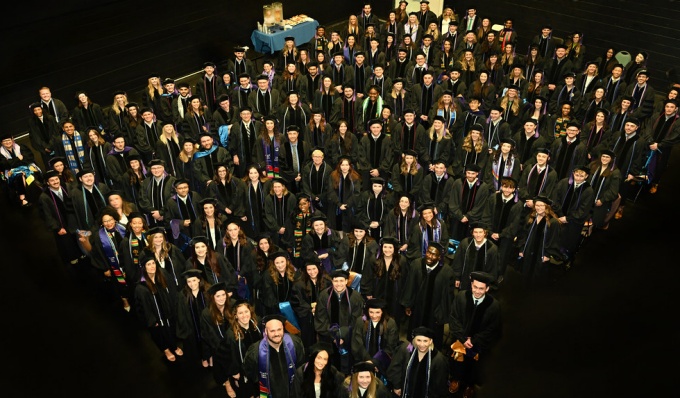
x=241, y=235
x=210, y=259
x=290, y=271
x=165, y=247
x=234, y=324
x=216, y=315
x=395, y=267
x=336, y=174
x=403, y=167
x=347, y=141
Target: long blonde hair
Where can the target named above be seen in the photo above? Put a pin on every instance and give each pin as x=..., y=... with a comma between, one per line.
x=468, y=143
x=370, y=391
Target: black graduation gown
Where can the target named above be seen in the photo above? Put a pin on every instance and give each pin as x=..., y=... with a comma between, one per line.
x=398, y=373
x=535, y=241
x=229, y=358
x=468, y=259
x=429, y=300
x=386, y=287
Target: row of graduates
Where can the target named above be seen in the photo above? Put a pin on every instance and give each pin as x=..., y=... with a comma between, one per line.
x=232, y=321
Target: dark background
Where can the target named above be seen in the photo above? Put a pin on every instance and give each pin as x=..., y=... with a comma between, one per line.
x=603, y=330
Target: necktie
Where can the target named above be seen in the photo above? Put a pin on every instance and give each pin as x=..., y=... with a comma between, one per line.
x=476, y=302
x=60, y=195
x=296, y=163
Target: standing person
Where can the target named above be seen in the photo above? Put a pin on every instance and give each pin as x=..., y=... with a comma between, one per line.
x=337, y=311
x=317, y=378
x=429, y=292
x=663, y=134
x=342, y=143
x=538, y=241
x=243, y=140
x=306, y=289
x=300, y=226
x=88, y=114
x=89, y=198
x=401, y=220
x=373, y=206
x=386, y=277
x=273, y=360
x=168, y=147
x=215, y=319
x=267, y=150
x=152, y=94
x=537, y=179
x=118, y=160
x=407, y=175
x=265, y=248
x=229, y=192
x=181, y=211
x=131, y=250
x=568, y=151
x=375, y=337
x=206, y=88
x=167, y=255
x=70, y=144
x=238, y=251
x=96, y=155
x=41, y=128
x=57, y=213
x=156, y=190
x=257, y=187
x=503, y=162
x=375, y=155
x=185, y=163
x=206, y=159
x=605, y=178
x=229, y=359
x=429, y=228
x=277, y=287
x=53, y=106
x=344, y=187
x=475, y=324
x=573, y=202
x=294, y=157
x=193, y=299
x=147, y=133
x=419, y=369
x=473, y=149
x=467, y=202
x=475, y=253
x=156, y=306
x=279, y=205
x=502, y=217
x=360, y=255
x=315, y=185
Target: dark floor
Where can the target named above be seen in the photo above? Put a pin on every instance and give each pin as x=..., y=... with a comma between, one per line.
x=603, y=330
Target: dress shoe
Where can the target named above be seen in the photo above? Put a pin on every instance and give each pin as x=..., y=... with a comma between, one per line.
x=654, y=188
x=619, y=213
x=453, y=386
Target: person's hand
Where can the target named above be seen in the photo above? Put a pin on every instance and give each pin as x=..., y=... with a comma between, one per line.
x=107, y=273
x=323, y=256
x=298, y=178
x=397, y=392
x=343, y=207
x=187, y=223
x=654, y=146
x=236, y=376
x=551, y=87
x=464, y=219
x=244, y=218
x=62, y=232
x=457, y=284
x=408, y=311
x=236, y=161
x=520, y=254
x=546, y=259
x=468, y=343
x=374, y=173
x=228, y=210
x=423, y=118
x=374, y=224
x=598, y=203
x=156, y=215
x=230, y=391
x=563, y=219
x=282, y=230
x=495, y=236
x=529, y=203
x=403, y=248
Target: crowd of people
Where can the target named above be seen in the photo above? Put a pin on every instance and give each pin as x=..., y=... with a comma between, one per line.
x=288, y=227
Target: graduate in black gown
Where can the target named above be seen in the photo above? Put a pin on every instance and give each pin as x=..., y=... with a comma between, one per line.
x=229, y=358
x=215, y=319
x=313, y=279
x=419, y=369
x=193, y=299
x=272, y=361
x=365, y=384
x=317, y=378
x=257, y=187
x=376, y=336
x=385, y=278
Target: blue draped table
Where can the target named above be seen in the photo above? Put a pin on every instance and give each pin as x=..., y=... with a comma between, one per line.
x=273, y=42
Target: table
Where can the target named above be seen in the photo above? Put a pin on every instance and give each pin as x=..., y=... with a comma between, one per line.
x=271, y=43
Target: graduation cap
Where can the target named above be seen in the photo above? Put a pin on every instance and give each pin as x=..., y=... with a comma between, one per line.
x=561, y=45
x=360, y=224
x=263, y=235
x=513, y=87
x=413, y=13
x=670, y=101
x=84, y=171
x=423, y=331
x=510, y=141
x=192, y=273
x=168, y=80
x=114, y=192
x=339, y=273
x=642, y=72
x=543, y=150
x=183, y=85
x=633, y=120
x=437, y=246
x=145, y=256
x=402, y=50
x=289, y=38
x=496, y=108
x=56, y=159
x=398, y=80
x=167, y=122
x=180, y=181
x=411, y=152
x=608, y=152
x=389, y=240
x=135, y=214
x=238, y=302
x=49, y=174
x=404, y=194
x=477, y=224
x=447, y=92
x=187, y=139
x=544, y=199
x=426, y=205
x=156, y=162
x=199, y=239
x=208, y=200
x=363, y=366
x=292, y=127
x=477, y=127
x=132, y=105
x=239, y=49
x=374, y=121
x=376, y=303
x=582, y=167
x=279, y=253
x=154, y=74
x=481, y=276
x=409, y=110
x=279, y=180
x=155, y=230
x=568, y=74
x=34, y=105
x=378, y=180
x=508, y=179
x=473, y=167
x=145, y=110
x=428, y=36
x=318, y=217
x=318, y=347
x=119, y=92
x=439, y=118
x=573, y=124
x=263, y=77
x=542, y=98
x=274, y=317
x=217, y=287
